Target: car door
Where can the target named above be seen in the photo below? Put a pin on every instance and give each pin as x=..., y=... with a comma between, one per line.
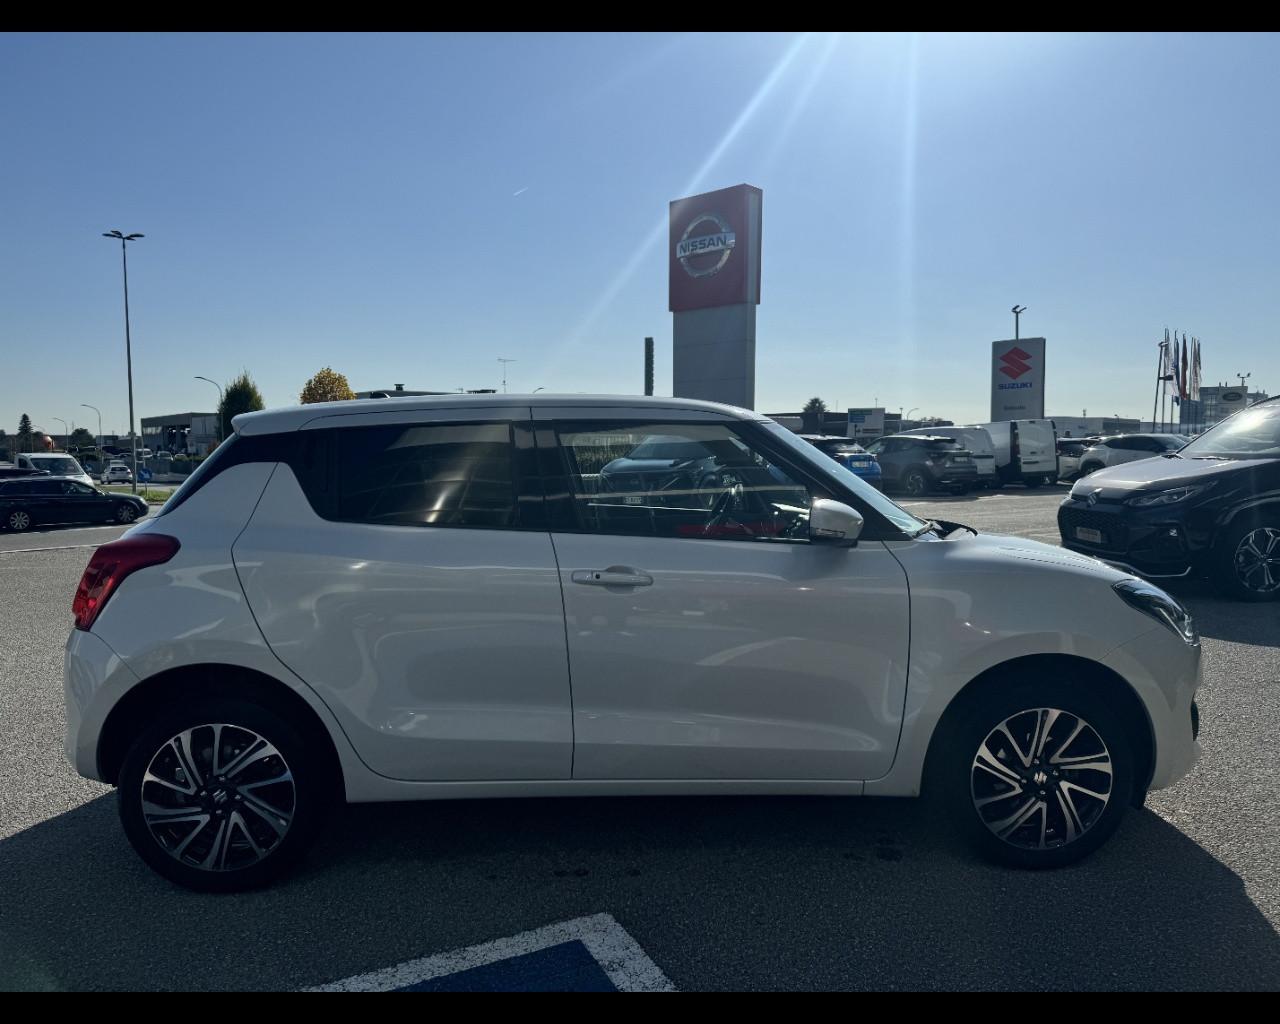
x=708, y=637
x=47, y=501
x=397, y=564
x=83, y=504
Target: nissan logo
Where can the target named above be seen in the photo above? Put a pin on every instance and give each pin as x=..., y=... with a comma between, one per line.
x=704, y=253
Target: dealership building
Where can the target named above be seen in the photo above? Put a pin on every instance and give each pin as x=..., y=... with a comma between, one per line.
x=195, y=433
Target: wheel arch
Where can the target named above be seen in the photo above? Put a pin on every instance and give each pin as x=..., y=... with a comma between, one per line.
x=202, y=681
x=1101, y=680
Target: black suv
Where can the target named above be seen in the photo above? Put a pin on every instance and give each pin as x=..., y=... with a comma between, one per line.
x=1212, y=507
x=919, y=463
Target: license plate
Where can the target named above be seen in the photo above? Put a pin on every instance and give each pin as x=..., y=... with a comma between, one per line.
x=1088, y=536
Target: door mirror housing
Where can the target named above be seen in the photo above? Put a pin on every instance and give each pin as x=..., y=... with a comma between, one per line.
x=833, y=522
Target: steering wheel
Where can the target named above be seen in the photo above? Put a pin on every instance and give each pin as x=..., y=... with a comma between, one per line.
x=729, y=501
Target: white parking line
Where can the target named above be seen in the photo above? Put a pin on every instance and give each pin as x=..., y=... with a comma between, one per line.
x=617, y=953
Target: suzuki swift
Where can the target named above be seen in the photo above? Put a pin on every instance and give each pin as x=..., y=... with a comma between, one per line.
x=440, y=598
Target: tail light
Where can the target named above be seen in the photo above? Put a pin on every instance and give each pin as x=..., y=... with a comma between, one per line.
x=110, y=564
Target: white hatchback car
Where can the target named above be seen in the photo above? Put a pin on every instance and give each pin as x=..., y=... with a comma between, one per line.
x=117, y=472
x=437, y=599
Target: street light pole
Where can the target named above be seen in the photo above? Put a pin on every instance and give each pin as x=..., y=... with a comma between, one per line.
x=64, y=430
x=128, y=344
x=98, y=439
x=504, y=372
x=1017, y=312
x=220, y=400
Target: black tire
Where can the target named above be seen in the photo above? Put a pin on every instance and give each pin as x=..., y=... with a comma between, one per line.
x=125, y=513
x=955, y=783
x=1032, y=482
x=915, y=482
x=308, y=790
x=1236, y=570
x=17, y=520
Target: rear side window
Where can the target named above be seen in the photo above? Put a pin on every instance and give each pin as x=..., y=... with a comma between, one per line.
x=443, y=474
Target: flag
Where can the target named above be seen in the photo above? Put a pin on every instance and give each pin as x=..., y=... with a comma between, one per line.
x=1195, y=370
x=1172, y=386
x=1183, y=389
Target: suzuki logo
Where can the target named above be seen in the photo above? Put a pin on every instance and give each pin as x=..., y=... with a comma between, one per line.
x=1093, y=496
x=1015, y=363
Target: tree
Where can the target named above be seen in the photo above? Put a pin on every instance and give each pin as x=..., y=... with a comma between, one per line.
x=326, y=386
x=241, y=395
x=26, y=436
x=6, y=452
x=81, y=438
x=814, y=414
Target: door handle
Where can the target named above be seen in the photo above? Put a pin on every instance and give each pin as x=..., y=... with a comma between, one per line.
x=614, y=576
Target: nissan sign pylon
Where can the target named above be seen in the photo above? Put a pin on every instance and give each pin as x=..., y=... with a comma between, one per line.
x=713, y=289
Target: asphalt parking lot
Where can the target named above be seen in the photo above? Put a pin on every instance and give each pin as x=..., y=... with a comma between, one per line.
x=724, y=893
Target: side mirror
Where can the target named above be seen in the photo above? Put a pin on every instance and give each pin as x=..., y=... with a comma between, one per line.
x=833, y=522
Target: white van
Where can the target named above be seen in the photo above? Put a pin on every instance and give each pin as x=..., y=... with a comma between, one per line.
x=57, y=464
x=1026, y=451
x=977, y=441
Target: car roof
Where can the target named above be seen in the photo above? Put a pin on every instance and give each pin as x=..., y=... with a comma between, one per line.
x=918, y=437
x=274, y=421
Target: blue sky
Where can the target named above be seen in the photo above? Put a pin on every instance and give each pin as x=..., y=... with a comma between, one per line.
x=351, y=201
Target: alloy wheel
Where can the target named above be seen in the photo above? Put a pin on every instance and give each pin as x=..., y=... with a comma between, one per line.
x=218, y=797
x=1041, y=779
x=19, y=521
x=126, y=514
x=1257, y=560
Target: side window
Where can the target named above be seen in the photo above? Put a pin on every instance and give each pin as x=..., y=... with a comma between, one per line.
x=443, y=474
x=691, y=480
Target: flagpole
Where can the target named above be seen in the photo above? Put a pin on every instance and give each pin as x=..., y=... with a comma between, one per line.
x=1159, y=373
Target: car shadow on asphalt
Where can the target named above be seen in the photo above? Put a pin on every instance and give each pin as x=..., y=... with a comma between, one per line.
x=1239, y=622
x=727, y=892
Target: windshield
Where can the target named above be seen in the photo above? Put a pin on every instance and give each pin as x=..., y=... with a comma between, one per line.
x=897, y=515
x=1251, y=433
x=672, y=448
x=56, y=464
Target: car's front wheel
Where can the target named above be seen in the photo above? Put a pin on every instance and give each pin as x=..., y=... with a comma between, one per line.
x=125, y=513
x=1247, y=558
x=221, y=795
x=1037, y=775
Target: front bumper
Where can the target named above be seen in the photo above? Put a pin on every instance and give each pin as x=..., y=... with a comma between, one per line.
x=1165, y=672
x=1156, y=543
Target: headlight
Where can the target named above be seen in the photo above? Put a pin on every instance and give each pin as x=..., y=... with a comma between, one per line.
x=1150, y=599
x=1165, y=497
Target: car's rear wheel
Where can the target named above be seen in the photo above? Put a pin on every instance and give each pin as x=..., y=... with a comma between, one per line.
x=915, y=483
x=221, y=795
x=18, y=520
x=1035, y=774
x=1247, y=558
x=125, y=513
